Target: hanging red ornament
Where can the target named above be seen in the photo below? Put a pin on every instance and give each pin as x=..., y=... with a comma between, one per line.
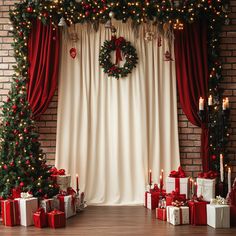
x=73, y=53
x=40, y=190
x=22, y=113
x=26, y=131
x=14, y=107
x=7, y=123
x=12, y=164
x=27, y=162
x=168, y=56
x=45, y=14
x=16, y=131
x=87, y=6
x=94, y=10
x=5, y=167
x=213, y=157
x=22, y=184
x=17, y=143
x=87, y=13
x=29, y=9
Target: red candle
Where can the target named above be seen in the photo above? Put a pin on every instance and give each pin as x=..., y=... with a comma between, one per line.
x=150, y=177
x=162, y=176
x=77, y=182
x=195, y=188
x=161, y=182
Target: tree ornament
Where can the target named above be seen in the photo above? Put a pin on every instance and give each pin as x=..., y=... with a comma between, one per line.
x=87, y=13
x=22, y=184
x=5, y=167
x=73, y=53
x=29, y=9
x=26, y=131
x=27, y=162
x=119, y=45
x=111, y=14
x=14, y=107
x=12, y=164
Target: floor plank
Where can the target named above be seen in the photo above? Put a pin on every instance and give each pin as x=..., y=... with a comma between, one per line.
x=102, y=221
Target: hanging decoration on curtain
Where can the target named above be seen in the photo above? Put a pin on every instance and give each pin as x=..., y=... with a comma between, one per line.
x=74, y=38
x=121, y=48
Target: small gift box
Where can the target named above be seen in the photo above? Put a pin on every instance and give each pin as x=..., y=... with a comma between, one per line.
x=56, y=219
x=178, y=182
x=49, y=204
x=10, y=212
x=218, y=216
x=67, y=205
x=206, y=188
x=161, y=213
x=174, y=196
x=177, y=215
x=27, y=208
x=198, y=214
x=40, y=218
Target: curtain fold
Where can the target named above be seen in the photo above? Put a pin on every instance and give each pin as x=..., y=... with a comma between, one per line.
x=112, y=131
x=192, y=77
x=43, y=48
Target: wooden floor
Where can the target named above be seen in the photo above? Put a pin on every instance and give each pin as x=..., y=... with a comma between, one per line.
x=96, y=221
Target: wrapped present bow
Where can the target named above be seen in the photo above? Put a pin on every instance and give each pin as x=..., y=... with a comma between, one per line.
x=218, y=201
x=177, y=174
x=26, y=195
x=208, y=175
x=55, y=171
x=177, y=203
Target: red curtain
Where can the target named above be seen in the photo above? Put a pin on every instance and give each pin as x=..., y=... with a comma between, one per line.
x=43, y=48
x=192, y=76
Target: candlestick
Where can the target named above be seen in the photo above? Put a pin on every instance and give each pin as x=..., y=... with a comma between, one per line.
x=77, y=183
x=150, y=177
x=224, y=105
x=162, y=177
x=201, y=104
x=229, y=180
x=161, y=183
x=195, y=188
x=210, y=100
x=221, y=168
x=227, y=103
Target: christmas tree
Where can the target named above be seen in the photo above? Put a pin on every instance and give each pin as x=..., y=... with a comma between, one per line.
x=22, y=163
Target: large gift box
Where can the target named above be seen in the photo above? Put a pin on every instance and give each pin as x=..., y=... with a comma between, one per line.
x=40, y=218
x=67, y=205
x=161, y=213
x=27, y=208
x=218, y=216
x=197, y=211
x=56, y=219
x=61, y=178
x=206, y=188
x=152, y=200
x=49, y=204
x=10, y=212
x=177, y=215
x=178, y=182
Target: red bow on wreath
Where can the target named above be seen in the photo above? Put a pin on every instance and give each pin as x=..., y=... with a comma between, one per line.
x=118, y=43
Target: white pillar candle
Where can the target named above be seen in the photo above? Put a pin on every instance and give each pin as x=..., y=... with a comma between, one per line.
x=227, y=103
x=224, y=105
x=221, y=168
x=201, y=104
x=210, y=100
x=229, y=179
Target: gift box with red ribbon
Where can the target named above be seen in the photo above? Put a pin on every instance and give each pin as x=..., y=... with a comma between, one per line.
x=40, y=218
x=161, y=214
x=10, y=212
x=177, y=215
x=232, y=216
x=67, y=204
x=49, y=204
x=60, y=177
x=56, y=219
x=178, y=182
x=175, y=196
x=151, y=198
x=198, y=214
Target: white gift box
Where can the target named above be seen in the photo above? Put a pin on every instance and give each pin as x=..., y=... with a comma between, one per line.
x=206, y=188
x=64, y=181
x=177, y=215
x=69, y=205
x=49, y=204
x=183, y=185
x=27, y=207
x=218, y=216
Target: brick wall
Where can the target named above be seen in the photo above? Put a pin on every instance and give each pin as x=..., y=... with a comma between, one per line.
x=189, y=135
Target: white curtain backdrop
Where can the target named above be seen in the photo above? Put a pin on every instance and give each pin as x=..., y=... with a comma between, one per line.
x=112, y=131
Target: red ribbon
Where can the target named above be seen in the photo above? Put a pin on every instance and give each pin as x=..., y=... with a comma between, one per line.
x=181, y=215
x=208, y=175
x=177, y=185
x=118, y=43
x=55, y=171
x=178, y=174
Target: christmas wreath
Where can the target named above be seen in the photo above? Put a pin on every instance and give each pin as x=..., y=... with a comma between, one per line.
x=119, y=45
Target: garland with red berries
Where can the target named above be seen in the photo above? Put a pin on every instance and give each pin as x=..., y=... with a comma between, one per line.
x=119, y=45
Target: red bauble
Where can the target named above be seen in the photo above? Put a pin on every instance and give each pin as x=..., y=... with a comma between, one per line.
x=17, y=81
x=22, y=113
x=45, y=14
x=94, y=10
x=14, y=107
x=7, y=123
x=29, y=9
x=87, y=6
x=12, y=164
x=73, y=53
x=26, y=130
x=20, y=33
x=27, y=162
x=87, y=13
x=15, y=131
x=22, y=184
x=213, y=157
x=17, y=143
x=40, y=190
x=5, y=167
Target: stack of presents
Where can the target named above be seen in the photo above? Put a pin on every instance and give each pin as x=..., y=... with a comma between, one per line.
x=24, y=209
x=185, y=202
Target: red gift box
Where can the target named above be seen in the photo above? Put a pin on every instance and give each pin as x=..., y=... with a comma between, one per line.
x=198, y=212
x=174, y=197
x=40, y=218
x=10, y=212
x=16, y=192
x=161, y=213
x=56, y=219
x=232, y=216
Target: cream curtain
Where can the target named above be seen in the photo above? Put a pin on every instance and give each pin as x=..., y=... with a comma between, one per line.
x=112, y=131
